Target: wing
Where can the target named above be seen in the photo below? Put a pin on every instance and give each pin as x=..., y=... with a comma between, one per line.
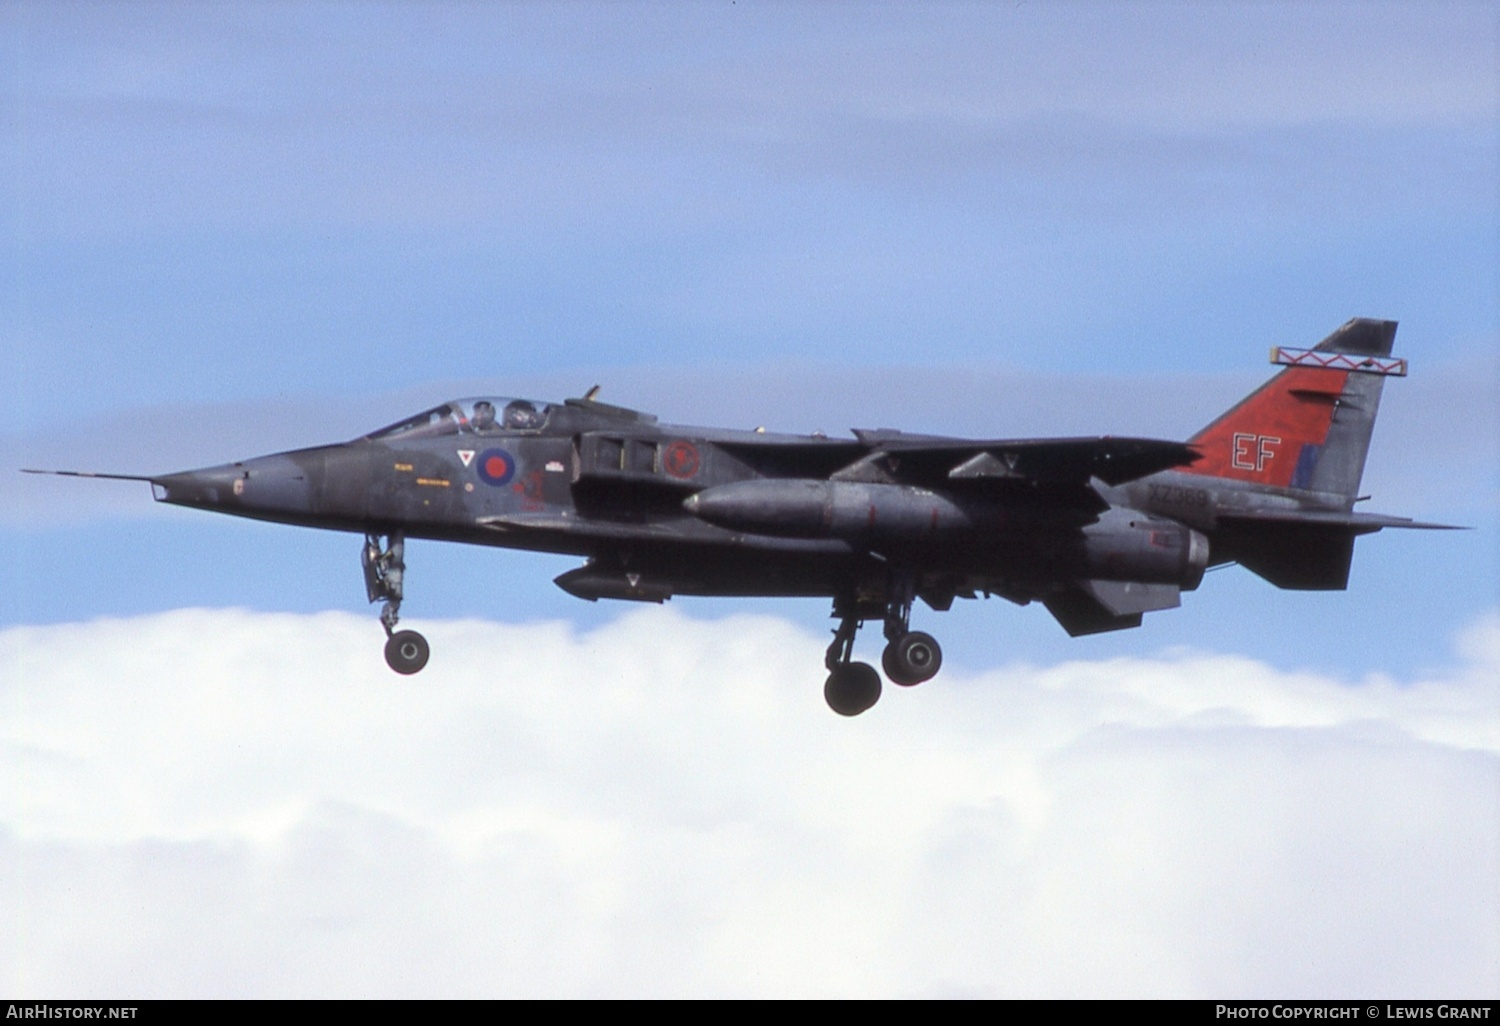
x=960, y=462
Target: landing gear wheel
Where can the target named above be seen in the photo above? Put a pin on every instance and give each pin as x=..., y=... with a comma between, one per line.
x=912, y=658
x=852, y=688
x=406, y=652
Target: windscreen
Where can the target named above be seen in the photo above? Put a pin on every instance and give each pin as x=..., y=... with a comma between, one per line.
x=482, y=415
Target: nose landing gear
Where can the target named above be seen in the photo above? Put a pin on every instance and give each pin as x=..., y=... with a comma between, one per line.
x=406, y=652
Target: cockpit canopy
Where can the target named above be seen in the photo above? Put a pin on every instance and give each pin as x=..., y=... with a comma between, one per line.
x=481, y=415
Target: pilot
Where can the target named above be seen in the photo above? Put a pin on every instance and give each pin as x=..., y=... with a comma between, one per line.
x=520, y=415
x=484, y=416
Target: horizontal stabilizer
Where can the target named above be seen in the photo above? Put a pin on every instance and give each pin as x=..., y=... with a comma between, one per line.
x=1358, y=523
x=1301, y=550
x=1298, y=556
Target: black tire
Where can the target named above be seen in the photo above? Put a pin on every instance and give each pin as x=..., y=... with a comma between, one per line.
x=851, y=689
x=912, y=658
x=406, y=652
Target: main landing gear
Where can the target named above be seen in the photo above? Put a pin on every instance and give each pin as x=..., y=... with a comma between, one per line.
x=405, y=651
x=910, y=657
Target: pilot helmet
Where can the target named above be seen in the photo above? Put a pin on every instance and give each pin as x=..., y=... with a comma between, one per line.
x=521, y=414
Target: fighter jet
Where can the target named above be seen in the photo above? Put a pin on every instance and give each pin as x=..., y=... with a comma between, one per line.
x=1099, y=530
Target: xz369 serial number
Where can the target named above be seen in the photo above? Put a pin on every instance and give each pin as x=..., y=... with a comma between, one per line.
x=1174, y=495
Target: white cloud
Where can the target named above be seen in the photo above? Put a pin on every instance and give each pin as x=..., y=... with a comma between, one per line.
x=218, y=802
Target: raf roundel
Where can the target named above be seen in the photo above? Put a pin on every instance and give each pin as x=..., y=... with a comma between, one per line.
x=680, y=459
x=496, y=466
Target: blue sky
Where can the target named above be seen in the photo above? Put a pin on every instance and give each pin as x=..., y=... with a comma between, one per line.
x=233, y=229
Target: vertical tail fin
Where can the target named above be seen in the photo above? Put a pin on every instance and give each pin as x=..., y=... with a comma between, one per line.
x=1309, y=427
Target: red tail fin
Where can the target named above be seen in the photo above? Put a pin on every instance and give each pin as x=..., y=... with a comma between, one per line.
x=1275, y=432
x=1309, y=426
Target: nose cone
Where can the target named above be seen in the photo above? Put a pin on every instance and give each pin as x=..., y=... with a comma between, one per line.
x=210, y=487
x=270, y=486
